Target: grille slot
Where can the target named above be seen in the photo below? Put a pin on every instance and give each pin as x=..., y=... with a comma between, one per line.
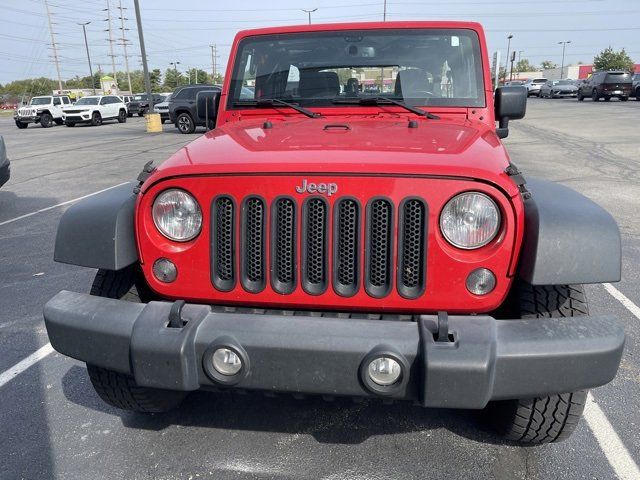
x=379, y=247
x=253, y=244
x=283, y=246
x=412, y=239
x=223, y=243
x=314, y=246
x=346, y=244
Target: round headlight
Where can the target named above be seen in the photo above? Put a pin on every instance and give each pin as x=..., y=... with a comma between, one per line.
x=177, y=215
x=470, y=220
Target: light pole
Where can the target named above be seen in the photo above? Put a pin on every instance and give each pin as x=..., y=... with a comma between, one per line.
x=384, y=15
x=564, y=45
x=143, y=52
x=175, y=69
x=506, y=65
x=309, y=12
x=84, y=30
x=518, y=64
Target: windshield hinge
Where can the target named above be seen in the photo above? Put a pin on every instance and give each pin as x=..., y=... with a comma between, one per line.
x=146, y=172
x=518, y=178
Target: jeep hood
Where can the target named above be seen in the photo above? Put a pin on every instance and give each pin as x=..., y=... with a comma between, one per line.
x=345, y=146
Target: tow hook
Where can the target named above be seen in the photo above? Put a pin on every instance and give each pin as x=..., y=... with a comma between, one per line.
x=443, y=335
x=175, y=315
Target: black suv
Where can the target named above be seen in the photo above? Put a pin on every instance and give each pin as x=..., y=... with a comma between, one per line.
x=140, y=103
x=193, y=106
x=636, y=86
x=606, y=85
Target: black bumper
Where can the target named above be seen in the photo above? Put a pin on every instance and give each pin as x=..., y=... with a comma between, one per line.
x=5, y=173
x=488, y=359
x=27, y=119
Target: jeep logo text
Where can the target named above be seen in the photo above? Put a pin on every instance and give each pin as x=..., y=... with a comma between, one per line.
x=310, y=187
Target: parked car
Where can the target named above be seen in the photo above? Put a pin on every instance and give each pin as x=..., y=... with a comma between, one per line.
x=558, y=89
x=326, y=243
x=636, y=86
x=95, y=109
x=45, y=110
x=607, y=85
x=192, y=106
x=534, y=85
x=163, y=108
x=5, y=166
x=140, y=103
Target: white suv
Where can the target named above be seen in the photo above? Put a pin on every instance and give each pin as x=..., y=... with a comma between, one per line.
x=45, y=110
x=95, y=109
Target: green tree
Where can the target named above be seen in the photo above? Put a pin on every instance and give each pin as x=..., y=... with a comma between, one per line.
x=173, y=79
x=547, y=65
x=609, y=59
x=524, y=65
x=30, y=87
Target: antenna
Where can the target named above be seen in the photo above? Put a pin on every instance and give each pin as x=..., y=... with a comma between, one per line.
x=53, y=44
x=124, y=44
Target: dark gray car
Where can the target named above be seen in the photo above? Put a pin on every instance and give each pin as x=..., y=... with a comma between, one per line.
x=192, y=106
x=5, y=169
x=558, y=89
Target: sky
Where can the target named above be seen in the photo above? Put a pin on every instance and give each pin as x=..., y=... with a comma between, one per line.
x=182, y=31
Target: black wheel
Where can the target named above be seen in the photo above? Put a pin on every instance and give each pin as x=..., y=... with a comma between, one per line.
x=129, y=114
x=543, y=419
x=185, y=123
x=70, y=124
x=624, y=99
x=638, y=94
x=162, y=120
x=117, y=389
x=580, y=96
x=607, y=99
x=58, y=121
x=594, y=95
x=21, y=125
x=122, y=116
x=141, y=112
x=46, y=120
x=96, y=119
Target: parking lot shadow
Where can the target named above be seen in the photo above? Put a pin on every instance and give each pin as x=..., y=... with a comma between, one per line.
x=12, y=205
x=341, y=421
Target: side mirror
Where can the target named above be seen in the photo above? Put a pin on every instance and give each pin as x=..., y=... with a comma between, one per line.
x=510, y=104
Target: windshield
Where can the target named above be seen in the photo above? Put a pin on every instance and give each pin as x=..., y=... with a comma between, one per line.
x=539, y=80
x=88, y=101
x=138, y=98
x=418, y=67
x=41, y=101
x=618, y=77
x=564, y=82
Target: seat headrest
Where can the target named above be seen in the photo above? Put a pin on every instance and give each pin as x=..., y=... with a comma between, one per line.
x=318, y=84
x=410, y=81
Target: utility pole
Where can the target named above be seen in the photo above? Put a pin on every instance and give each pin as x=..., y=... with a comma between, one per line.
x=506, y=66
x=143, y=51
x=124, y=44
x=214, y=62
x=53, y=45
x=309, y=12
x=384, y=15
x=113, y=57
x=175, y=69
x=518, y=64
x=86, y=44
x=564, y=45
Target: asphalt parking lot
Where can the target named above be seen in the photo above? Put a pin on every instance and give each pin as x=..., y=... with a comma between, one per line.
x=53, y=425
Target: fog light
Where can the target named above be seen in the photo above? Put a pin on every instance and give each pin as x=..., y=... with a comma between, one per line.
x=226, y=361
x=164, y=270
x=481, y=281
x=384, y=371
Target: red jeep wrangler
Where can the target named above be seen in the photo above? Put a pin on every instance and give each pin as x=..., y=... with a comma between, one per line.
x=352, y=226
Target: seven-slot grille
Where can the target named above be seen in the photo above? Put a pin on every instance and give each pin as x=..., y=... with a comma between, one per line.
x=300, y=250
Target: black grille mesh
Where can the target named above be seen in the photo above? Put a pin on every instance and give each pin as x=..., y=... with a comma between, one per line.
x=412, y=245
x=380, y=228
x=224, y=239
x=254, y=240
x=285, y=238
x=316, y=215
x=347, y=243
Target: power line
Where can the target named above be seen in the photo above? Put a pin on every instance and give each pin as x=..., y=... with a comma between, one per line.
x=124, y=44
x=53, y=44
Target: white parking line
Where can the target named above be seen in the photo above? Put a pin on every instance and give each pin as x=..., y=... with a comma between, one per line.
x=58, y=205
x=618, y=295
x=610, y=443
x=21, y=366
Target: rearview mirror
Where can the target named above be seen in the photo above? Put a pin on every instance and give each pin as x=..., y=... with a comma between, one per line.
x=510, y=104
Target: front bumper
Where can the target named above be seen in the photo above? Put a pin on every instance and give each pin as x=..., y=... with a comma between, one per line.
x=77, y=117
x=27, y=118
x=487, y=359
x=564, y=93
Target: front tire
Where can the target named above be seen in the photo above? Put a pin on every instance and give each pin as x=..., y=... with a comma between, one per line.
x=96, y=119
x=550, y=418
x=624, y=99
x=114, y=388
x=58, y=121
x=638, y=94
x=580, y=96
x=185, y=123
x=122, y=116
x=46, y=120
x=594, y=95
x=21, y=125
x=141, y=112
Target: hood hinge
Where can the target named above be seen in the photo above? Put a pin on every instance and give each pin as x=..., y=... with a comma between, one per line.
x=518, y=178
x=146, y=172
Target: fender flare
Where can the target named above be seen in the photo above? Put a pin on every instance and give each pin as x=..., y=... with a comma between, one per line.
x=568, y=239
x=99, y=231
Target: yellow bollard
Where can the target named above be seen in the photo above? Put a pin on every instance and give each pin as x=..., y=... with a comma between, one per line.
x=154, y=125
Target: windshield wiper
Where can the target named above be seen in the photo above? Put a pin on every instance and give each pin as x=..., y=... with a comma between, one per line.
x=383, y=100
x=269, y=102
